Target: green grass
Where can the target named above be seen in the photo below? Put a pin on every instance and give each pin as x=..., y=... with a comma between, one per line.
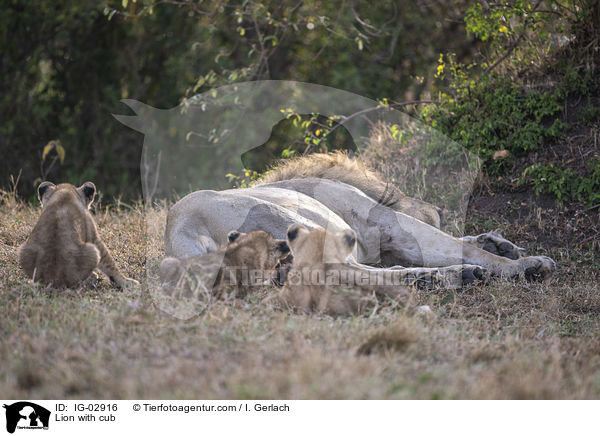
x=503, y=340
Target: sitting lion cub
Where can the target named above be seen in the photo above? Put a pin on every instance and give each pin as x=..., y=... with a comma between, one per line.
x=64, y=247
x=320, y=278
x=248, y=261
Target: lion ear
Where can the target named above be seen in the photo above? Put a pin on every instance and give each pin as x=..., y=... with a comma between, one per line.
x=88, y=190
x=45, y=188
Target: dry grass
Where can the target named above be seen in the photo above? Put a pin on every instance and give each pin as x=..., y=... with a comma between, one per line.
x=504, y=340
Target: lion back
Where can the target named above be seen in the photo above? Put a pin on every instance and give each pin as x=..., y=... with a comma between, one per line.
x=340, y=166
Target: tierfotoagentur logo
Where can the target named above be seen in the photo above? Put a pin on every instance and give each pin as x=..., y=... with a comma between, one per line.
x=25, y=415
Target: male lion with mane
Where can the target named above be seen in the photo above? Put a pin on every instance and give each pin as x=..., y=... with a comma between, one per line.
x=339, y=193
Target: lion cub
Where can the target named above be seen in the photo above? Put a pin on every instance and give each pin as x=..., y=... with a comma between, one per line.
x=320, y=278
x=64, y=247
x=248, y=261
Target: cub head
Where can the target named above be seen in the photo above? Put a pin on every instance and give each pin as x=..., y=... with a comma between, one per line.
x=319, y=245
x=256, y=249
x=85, y=193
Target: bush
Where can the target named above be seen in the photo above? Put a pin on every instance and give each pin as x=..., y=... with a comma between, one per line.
x=537, y=57
x=564, y=183
x=494, y=114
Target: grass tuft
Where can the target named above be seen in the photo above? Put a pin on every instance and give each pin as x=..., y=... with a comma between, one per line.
x=394, y=338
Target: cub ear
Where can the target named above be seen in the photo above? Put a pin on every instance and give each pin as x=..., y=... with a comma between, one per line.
x=294, y=230
x=233, y=235
x=45, y=188
x=88, y=189
x=349, y=238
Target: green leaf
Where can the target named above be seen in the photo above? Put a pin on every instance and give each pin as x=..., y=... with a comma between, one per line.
x=61, y=152
x=47, y=149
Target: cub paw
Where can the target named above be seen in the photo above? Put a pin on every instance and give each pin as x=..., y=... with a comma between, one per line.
x=91, y=280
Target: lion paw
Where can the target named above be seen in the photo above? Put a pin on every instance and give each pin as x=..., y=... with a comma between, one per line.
x=449, y=277
x=457, y=276
x=495, y=244
x=537, y=267
x=472, y=273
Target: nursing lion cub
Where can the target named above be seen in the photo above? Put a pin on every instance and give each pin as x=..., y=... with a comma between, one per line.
x=64, y=247
x=321, y=280
x=247, y=262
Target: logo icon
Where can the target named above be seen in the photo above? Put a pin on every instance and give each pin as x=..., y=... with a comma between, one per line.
x=26, y=415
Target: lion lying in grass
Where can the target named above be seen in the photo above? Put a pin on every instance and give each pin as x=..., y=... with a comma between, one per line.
x=334, y=192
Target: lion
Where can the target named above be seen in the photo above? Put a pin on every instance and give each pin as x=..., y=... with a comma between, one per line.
x=321, y=279
x=245, y=263
x=334, y=193
x=64, y=247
